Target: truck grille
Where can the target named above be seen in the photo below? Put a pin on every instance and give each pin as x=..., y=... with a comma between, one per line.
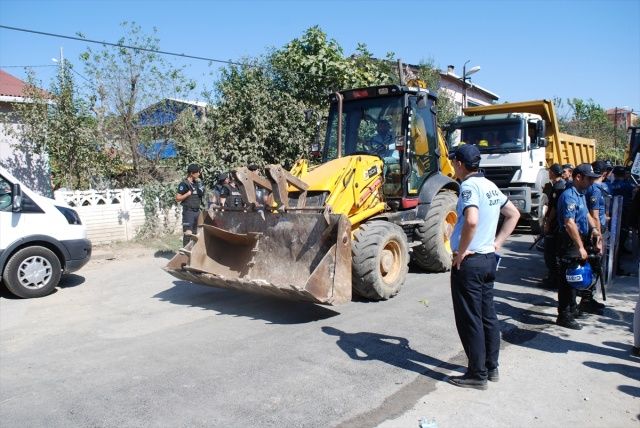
x=500, y=175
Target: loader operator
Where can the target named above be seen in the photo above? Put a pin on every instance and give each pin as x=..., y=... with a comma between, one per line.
x=576, y=228
x=383, y=143
x=474, y=243
x=190, y=194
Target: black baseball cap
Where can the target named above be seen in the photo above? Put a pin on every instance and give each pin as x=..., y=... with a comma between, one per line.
x=223, y=176
x=599, y=167
x=194, y=167
x=586, y=170
x=567, y=166
x=618, y=170
x=468, y=154
x=556, y=169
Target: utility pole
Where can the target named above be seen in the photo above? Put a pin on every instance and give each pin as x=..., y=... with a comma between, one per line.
x=61, y=61
x=615, y=128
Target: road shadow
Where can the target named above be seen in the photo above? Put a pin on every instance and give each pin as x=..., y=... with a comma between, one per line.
x=71, y=280
x=393, y=350
x=253, y=306
x=164, y=254
x=551, y=343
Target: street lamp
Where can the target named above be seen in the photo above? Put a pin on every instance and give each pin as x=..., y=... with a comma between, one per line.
x=465, y=76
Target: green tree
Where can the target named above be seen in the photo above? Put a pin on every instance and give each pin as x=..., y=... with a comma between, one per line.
x=125, y=81
x=588, y=119
x=60, y=125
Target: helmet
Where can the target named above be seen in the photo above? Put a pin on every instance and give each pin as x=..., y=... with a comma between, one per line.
x=579, y=276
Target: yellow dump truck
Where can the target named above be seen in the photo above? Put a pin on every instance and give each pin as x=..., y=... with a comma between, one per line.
x=518, y=141
x=382, y=196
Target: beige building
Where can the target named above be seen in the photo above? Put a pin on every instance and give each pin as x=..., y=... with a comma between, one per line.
x=476, y=95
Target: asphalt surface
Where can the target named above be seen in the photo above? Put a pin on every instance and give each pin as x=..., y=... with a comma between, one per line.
x=122, y=343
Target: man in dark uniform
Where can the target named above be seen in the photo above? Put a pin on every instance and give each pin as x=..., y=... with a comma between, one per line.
x=474, y=243
x=595, y=198
x=231, y=198
x=576, y=228
x=190, y=194
x=220, y=190
x=555, y=189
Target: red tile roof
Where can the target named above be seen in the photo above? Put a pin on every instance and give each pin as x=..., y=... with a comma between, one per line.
x=11, y=86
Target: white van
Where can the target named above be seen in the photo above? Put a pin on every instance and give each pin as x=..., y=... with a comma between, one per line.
x=40, y=239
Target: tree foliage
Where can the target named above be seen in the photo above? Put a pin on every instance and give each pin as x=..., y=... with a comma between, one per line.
x=60, y=124
x=588, y=119
x=124, y=81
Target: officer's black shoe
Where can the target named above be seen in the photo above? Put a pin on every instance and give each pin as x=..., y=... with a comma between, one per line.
x=493, y=375
x=468, y=382
x=568, y=322
x=635, y=351
x=591, y=306
x=577, y=313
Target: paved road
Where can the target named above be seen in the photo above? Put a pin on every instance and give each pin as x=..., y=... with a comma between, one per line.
x=125, y=344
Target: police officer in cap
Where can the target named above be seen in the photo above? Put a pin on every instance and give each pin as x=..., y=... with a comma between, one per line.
x=553, y=192
x=190, y=194
x=595, y=197
x=474, y=243
x=577, y=230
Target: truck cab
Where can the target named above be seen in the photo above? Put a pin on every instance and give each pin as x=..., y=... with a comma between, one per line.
x=40, y=239
x=513, y=150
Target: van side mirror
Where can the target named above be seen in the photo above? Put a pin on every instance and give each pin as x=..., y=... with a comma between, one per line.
x=16, y=198
x=541, y=129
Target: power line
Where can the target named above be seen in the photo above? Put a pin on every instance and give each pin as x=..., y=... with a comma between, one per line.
x=28, y=66
x=120, y=45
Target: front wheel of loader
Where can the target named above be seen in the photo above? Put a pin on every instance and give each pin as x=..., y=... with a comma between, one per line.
x=380, y=260
x=434, y=252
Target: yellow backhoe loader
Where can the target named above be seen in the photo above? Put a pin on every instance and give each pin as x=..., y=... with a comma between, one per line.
x=382, y=196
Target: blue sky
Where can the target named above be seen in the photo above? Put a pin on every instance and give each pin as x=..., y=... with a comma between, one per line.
x=526, y=49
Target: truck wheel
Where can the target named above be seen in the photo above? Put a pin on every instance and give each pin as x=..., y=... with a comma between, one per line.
x=537, y=221
x=32, y=272
x=380, y=260
x=434, y=252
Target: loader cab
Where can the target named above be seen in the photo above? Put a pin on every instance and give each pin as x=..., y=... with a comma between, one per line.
x=395, y=123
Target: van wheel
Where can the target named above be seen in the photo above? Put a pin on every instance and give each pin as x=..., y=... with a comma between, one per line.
x=380, y=260
x=32, y=272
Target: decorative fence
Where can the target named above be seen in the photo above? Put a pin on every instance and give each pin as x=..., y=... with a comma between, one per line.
x=113, y=215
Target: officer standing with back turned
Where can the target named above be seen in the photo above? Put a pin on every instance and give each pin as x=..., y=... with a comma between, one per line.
x=190, y=194
x=475, y=243
x=577, y=231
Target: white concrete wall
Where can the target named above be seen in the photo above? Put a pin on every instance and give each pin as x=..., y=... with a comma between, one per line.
x=114, y=215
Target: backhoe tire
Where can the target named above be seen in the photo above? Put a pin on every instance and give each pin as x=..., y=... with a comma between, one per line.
x=32, y=272
x=434, y=252
x=380, y=260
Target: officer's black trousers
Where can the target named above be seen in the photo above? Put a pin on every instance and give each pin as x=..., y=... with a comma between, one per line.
x=551, y=256
x=476, y=320
x=566, y=294
x=189, y=223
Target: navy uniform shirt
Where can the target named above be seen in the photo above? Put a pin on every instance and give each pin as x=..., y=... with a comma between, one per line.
x=624, y=188
x=197, y=192
x=595, y=201
x=572, y=204
x=477, y=191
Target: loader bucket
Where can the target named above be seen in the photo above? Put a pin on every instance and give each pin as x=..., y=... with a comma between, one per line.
x=301, y=256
